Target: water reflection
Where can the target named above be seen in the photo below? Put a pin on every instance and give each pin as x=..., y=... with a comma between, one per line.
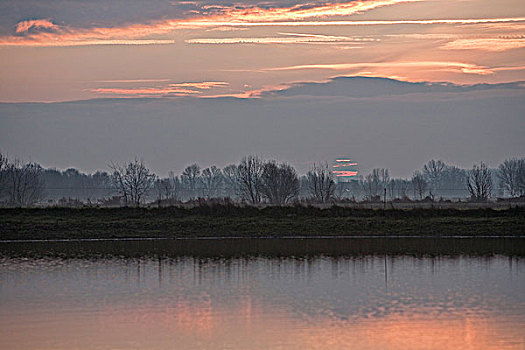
x=253, y=302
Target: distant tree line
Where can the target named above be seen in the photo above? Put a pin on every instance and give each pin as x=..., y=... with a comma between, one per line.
x=252, y=181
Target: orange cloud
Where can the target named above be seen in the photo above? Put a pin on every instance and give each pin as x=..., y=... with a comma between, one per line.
x=45, y=40
x=456, y=66
x=226, y=17
x=205, y=23
x=145, y=91
x=204, y=85
x=24, y=26
x=142, y=92
x=176, y=89
x=255, y=93
x=291, y=38
x=341, y=173
x=133, y=81
x=343, y=165
x=66, y=36
x=295, y=13
x=498, y=44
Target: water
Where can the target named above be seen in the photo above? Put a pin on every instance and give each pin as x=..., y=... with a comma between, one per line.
x=312, y=300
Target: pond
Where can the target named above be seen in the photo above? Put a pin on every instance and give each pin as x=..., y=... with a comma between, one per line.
x=291, y=294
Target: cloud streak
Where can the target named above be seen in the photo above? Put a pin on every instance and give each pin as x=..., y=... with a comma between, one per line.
x=489, y=44
x=146, y=91
x=128, y=35
x=468, y=68
x=70, y=41
x=176, y=89
x=43, y=32
x=289, y=38
x=296, y=13
x=205, y=23
x=67, y=36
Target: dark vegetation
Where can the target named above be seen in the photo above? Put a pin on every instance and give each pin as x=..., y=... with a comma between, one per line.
x=267, y=247
x=248, y=221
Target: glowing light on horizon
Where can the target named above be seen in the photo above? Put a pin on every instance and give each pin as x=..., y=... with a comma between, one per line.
x=341, y=173
x=348, y=168
x=343, y=165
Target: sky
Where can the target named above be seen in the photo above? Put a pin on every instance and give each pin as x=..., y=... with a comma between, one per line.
x=70, y=50
x=158, y=56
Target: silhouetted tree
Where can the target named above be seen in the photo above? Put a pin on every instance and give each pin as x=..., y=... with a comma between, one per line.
x=132, y=181
x=230, y=180
x=168, y=189
x=211, y=180
x=248, y=178
x=321, y=184
x=479, y=182
x=375, y=182
x=190, y=178
x=433, y=172
x=511, y=174
x=419, y=184
x=279, y=182
x=3, y=174
x=24, y=183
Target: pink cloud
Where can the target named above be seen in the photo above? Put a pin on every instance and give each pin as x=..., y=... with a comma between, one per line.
x=341, y=173
x=145, y=91
x=175, y=89
x=67, y=36
x=467, y=68
x=486, y=44
x=24, y=26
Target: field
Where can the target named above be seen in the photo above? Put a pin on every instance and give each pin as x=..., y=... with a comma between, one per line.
x=247, y=222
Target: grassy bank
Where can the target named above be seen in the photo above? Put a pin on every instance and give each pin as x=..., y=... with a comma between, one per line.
x=236, y=221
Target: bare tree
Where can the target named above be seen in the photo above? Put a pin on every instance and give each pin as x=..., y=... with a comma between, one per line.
x=3, y=174
x=230, y=180
x=175, y=187
x=511, y=174
x=375, y=182
x=132, y=181
x=279, y=182
x=168, y=189
x=479, y=182
x=453, y=181
x=248, y=176
x=212, y=180
x=433, y=172
x=521, y=177
x=190, y=178
x=24, y=183
x=402, y=187
x=419, y=184
x=391, y=187
x=342, y=190
x=321, y=184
